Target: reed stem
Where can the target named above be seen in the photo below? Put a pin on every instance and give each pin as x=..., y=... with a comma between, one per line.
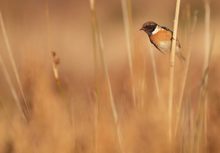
x=172, y=68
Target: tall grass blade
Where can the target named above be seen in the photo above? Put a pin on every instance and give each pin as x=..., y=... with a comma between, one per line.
x=172, y=66
x=206, y=62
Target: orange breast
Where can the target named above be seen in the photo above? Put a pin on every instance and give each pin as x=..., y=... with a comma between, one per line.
x=161, y=35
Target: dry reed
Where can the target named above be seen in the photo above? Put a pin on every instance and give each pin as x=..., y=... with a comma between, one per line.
x=186, y=70
x=207, y=49
x=191, y=122
x=172, y=66
x=206, y=63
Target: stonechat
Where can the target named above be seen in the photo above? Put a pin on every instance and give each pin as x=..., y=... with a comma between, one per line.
x=161, y=37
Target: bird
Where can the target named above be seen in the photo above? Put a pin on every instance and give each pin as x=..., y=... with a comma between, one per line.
x=161, y=37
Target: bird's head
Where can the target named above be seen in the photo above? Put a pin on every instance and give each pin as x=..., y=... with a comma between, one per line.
x=149, y=27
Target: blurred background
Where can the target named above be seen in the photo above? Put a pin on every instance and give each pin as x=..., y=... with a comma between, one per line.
x=62, y=115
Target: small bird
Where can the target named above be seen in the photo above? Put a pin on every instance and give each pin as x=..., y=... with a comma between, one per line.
x=161, y=37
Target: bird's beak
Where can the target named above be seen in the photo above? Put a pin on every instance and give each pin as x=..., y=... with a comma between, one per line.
x=141, y=29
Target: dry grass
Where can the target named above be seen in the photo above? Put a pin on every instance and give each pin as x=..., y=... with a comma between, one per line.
x=127, y=17
x=100, y=59
x=25, y=110
x=172, y=68
x=85, y=103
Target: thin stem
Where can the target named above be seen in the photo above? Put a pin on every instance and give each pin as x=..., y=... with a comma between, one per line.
x=207, y=35
x=206, y=62
x=172, y=66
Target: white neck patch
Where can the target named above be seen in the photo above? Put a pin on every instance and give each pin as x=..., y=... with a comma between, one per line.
x=156, y=30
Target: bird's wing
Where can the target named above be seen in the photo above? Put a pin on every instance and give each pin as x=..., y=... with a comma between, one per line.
x=177, y=41
x=167, y=29
x=157, y=47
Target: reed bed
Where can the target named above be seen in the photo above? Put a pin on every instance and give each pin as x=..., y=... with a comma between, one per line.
x=100, y=59
x=103, y=98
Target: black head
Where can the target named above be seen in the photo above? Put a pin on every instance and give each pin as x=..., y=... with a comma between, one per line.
x=149, y=27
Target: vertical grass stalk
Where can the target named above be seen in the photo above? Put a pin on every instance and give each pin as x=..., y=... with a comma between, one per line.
x=172, y=68
x=207, y=35
x=96, y=70
x=186, y=71
x=206, y=61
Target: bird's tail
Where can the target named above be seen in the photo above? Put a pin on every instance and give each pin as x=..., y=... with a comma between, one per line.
x=180, y=56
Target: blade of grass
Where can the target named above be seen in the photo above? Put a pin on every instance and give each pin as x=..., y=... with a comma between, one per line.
x=206, y=62
x=207, y=34
x=172, y=68
x=96, y=70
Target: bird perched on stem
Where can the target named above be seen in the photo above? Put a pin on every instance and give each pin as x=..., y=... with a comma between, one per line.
x=161, y=37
